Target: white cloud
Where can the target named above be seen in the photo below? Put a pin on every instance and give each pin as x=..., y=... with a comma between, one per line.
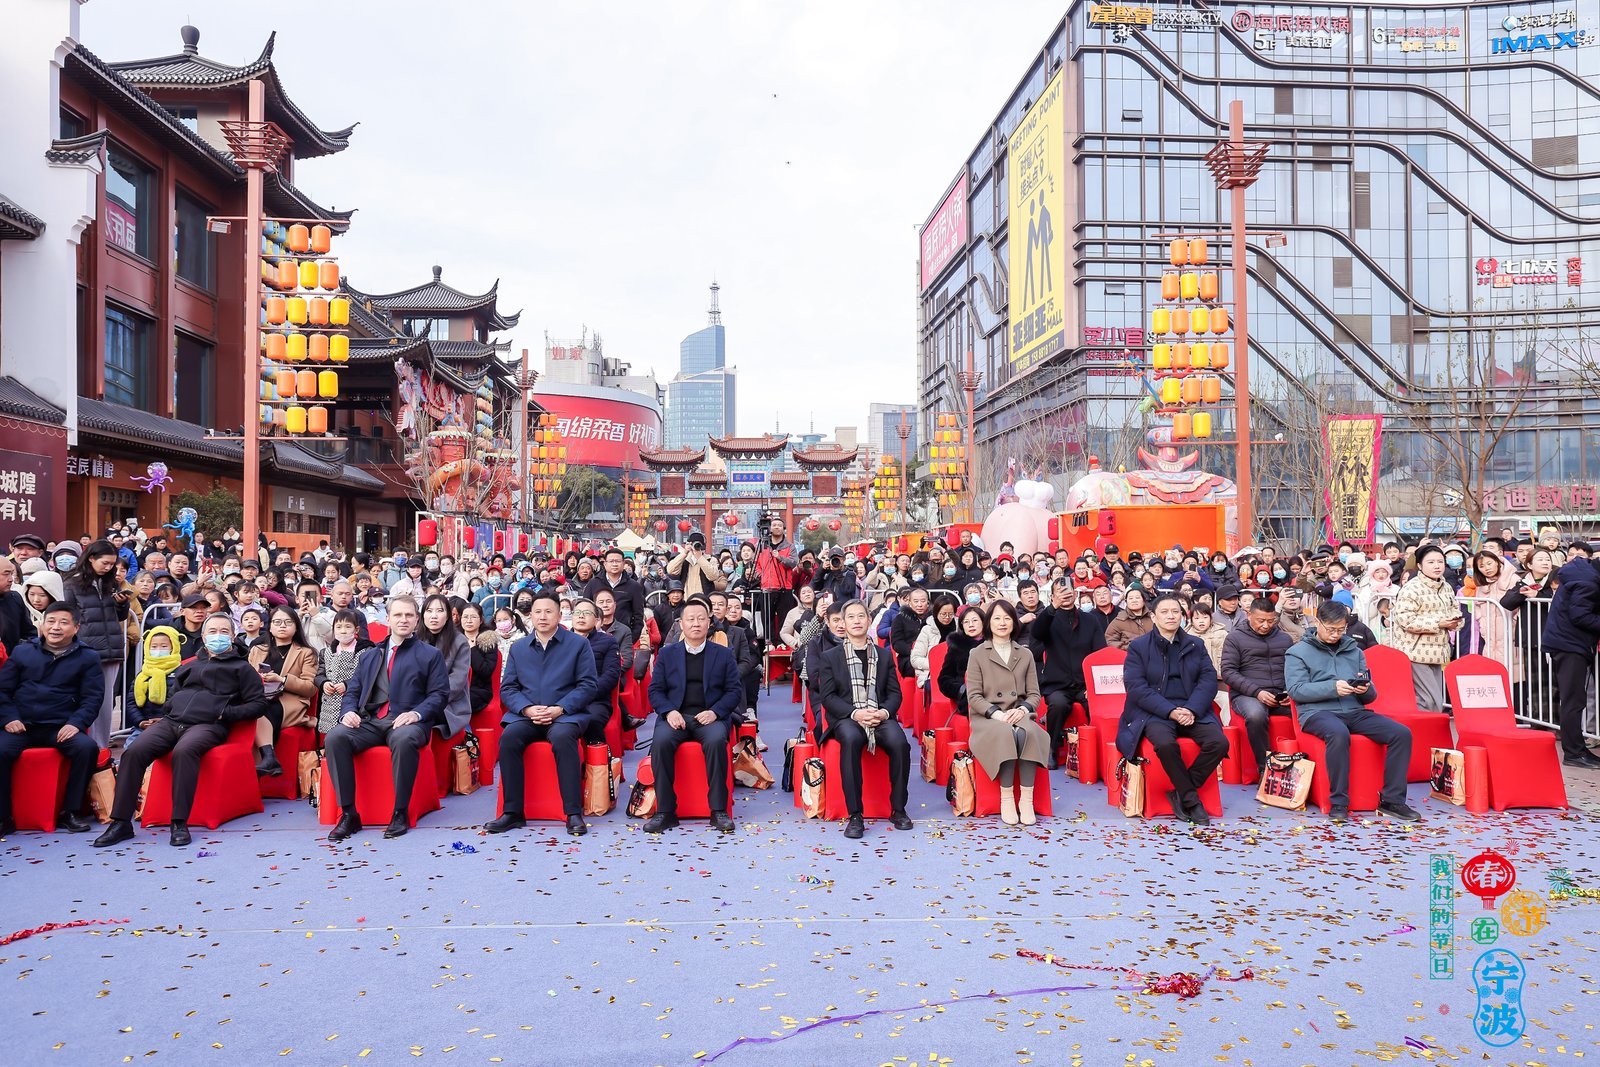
x=606, y=160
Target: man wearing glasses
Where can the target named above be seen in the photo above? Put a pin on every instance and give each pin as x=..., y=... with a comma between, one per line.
x=1328, y=679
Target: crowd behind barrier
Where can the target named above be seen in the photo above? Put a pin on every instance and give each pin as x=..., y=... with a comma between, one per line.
x=771, y=602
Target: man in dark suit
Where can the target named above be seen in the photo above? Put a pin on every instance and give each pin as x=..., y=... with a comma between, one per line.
x=858, y=697
x=396, y=698
x=549, y=691
x=694, y=691
x=1170, y=685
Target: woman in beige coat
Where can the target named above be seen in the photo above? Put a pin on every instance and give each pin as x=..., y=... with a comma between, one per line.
x=1002, y=696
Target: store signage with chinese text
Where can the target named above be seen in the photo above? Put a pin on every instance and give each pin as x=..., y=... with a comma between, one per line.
x=1507, y=273
x=945, y=234
x=84, y=467
x=1272, y=32
x=1518, y=39
x=1418, y=38
x=1124, y=19
x=1114, y=351
x=1578, y=500
x=26, y=481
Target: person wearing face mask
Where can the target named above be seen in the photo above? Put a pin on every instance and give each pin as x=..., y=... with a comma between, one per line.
x=206, y=695
x=1455, y=567
x=1220, y=570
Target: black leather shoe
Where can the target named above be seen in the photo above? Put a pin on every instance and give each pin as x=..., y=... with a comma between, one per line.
x=855, y=827
x=349, y=824
x=1339, y=815
x=1403, y=812
x=398, y=826
x=1178, y=808
x=7, y=827
x=900, y=820
x=1196, y=810
x=721, y=822
x=1586, y=761
x=119, y=831
x=660, y=822
x=631, y=722
x=71, y=822
x=576, y=826
x=180, y=836
x=511, y=820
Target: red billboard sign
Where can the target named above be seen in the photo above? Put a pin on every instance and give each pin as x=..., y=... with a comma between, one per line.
x=946, y=232
x=601, y=431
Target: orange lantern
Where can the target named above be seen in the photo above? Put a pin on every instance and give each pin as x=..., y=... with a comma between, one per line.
x=317, y=311
x=339, y=311
x=1180, y=355
x=1208, y=286
x=296, y=311
x=1219, y=353
x=1190, y=285
x=295, y=347
x=1200, y=319
x=1178, y=252
x=317, y=420
x=285, y=383
x=321, y=238
x=288, y=275
x=328, y=274
x=1181, y=426
x=1191, y=390
x=308, y=275
x=1161, y=321
x=275, y=346
x=295, y=419
x=1180, y=321
x=1219, y=320
x=299, y=237
x=306, y=383
x=1211, y=389
x=1202, y=424
x=327, y=384
x=277, y=310
x=1169, y=286
x=317, y=348
x=1198, y=251
x=339, y=348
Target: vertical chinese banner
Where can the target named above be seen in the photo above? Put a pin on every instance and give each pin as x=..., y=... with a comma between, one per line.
x=27, y=487
x=1441, y=916
x=1351, y=444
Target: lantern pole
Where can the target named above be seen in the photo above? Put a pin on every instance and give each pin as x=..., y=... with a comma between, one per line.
x=525, y=409
x=253, y=179
x=1241, y=373
x=903, y=431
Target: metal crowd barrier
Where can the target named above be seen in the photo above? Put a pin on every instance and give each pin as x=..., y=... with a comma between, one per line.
x=1514, y=639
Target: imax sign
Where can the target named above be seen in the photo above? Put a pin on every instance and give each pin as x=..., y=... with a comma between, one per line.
x=1542, y=42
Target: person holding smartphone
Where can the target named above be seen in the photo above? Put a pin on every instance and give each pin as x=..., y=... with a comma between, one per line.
x=1252, y=669
x=92, y=589
x=1327, y=676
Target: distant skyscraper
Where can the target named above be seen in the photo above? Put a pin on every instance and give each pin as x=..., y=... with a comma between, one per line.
x=700, y=398
x=883, y=434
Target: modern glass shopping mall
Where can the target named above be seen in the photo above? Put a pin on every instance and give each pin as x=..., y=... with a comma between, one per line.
x=1424, y=239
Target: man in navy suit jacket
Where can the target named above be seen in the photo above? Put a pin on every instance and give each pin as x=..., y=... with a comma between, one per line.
x=548, y=691
x=694, y=692
x=396, y=698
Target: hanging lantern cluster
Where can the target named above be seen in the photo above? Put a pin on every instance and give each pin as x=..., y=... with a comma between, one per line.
x=547, y=461
x=855, y=500
x=886, y=488
x=302, y=328
x=638, y=509
x=949, y=454
x=1186, y=353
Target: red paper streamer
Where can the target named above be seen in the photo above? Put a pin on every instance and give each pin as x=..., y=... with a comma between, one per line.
x=52, y=927
x=1185, y=984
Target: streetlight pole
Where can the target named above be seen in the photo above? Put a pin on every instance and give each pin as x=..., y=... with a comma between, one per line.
x=903, y=431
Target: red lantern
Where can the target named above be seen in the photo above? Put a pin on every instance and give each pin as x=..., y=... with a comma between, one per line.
x=522, y=542
x=1488, y=875
x=469, y=537
x=499, y=541
x=427, y=533
x=684, y=525
x=835, y=525
x=813, y=524
x=730, y=520
x=661, y=526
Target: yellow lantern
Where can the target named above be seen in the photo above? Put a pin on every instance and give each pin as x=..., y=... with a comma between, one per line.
x=295, y=348
x=295, y=419
x=1191, y=285
x=339, y=311
x=339, y=348
x=1161, y=356
x=308, y=275
x=1200, y=319
x=1161, y=322
x=296, y=310
x=1202, y=424
x=328, y=384
x=1170, y=392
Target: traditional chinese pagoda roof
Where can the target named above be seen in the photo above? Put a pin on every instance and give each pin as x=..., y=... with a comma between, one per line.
x=832, y=457
x=76, y=151
x=17, y=223
x=18, y=399
x=139, y=108
x=708, y=478
x=120, y=423
x=681, y=460
x=795, y=478
x=764, y=445
x=295, y=458
x=437, y=296
x=189, y=70
x=469, y=350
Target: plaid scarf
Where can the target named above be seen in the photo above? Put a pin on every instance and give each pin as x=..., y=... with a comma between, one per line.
x=863, y=684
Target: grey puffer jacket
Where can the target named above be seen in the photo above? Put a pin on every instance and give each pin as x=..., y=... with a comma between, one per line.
x=101, y=618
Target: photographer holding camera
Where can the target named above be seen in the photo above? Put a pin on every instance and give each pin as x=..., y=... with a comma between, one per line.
x=1326, y=675
x=775, y=563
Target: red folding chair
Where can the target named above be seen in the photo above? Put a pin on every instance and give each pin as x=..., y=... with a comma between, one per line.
x=226, y=788
x=377, y=632
x=1396, y=699
x=486, y=728
x=1524, y=762
x=986, y=800
x=292, y=740
x=541, y=799
x=39, y=788
x=1366, y=767
x=1102, y=676
x=689, y=781
x=875, y=785
x=375, y=789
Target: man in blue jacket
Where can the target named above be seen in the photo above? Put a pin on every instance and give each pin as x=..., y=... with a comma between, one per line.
x=1571, y=633
x=1170, y=685
x=50, y=694
x=396, y=698
x=694, y=692
x=549, y=691
x=1328, y=679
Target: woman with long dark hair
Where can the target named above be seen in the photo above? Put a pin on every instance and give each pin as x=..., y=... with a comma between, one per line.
x=439, y=631
x=1002, y=697
x=288, y=669
x=972, y=629
x=92, y=587
x=485, y=655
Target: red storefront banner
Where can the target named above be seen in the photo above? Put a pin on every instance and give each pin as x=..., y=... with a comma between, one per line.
x=946, y=232
x=600, y=431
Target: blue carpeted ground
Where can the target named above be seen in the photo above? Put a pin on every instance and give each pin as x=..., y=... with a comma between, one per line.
x=263, y=943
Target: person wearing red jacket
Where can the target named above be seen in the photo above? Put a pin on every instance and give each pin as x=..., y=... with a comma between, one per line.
x=775, y=564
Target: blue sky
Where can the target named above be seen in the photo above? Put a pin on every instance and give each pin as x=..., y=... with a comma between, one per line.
x=606, y=160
